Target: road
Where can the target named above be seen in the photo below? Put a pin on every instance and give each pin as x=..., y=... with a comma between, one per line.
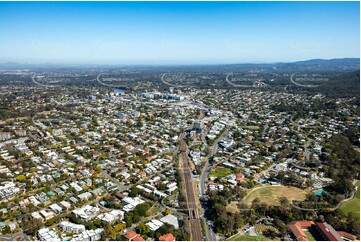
x=307, y=144
x=331, y=209
x=40, y=84
x=301, y=85
x=202, y=183
x=258, y=175
x=167, y=83
x=207, y=166
x=106, y=84
x=235, y=85
x=266, y=126
x=307, y=151
x=120, y=186
x=20, y=236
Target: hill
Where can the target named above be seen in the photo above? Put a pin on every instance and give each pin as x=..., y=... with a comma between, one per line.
x=344, y=85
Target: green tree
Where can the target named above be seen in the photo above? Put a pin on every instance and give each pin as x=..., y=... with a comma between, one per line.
x=143, y=229
x=20, y=178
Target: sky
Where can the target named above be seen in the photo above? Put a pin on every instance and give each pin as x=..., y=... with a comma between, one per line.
x=177, y=32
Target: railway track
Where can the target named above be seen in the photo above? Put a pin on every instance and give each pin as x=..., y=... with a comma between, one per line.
x=194, y=220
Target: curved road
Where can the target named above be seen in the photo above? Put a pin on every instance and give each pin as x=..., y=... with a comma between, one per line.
x=167, y=83
x=105, y=84
x=236, y=85
x=331, y=209
x=301, y=85
x=40, y=84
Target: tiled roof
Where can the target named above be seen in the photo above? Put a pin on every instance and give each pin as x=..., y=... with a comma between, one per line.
x=167, y=237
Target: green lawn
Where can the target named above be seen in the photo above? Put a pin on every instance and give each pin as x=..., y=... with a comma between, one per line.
x=244, y=237
x=353, y=205
x=221, y=172
x=153, y=210
x=309, y=236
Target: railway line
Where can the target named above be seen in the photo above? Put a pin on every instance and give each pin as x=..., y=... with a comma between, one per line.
x=194, y=219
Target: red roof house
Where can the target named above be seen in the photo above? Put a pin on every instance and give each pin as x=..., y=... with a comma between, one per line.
x=131, y=235
x=167, y=237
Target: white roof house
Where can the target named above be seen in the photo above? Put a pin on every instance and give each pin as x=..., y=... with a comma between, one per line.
x=171, y=219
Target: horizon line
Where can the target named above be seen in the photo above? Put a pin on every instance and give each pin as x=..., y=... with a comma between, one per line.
x=169, y=64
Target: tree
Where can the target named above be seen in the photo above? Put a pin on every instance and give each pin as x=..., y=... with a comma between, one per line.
x=98, y=223
x=167, y=211
x=90, y=225
x=136, y=218
x=51, y=221
x=109, y=232
x=119, y=227
x=20, y=178
x=270, y=233
x=6, y=230
x=120, y=237
x=128, y=219
x=143, y=229
x=284, y=202
x=134, y=191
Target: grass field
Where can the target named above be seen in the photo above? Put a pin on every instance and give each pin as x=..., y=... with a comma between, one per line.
x=253, y=127
x=221, y=172
x=232, y=207
x=239, y=237
x=309, y=236
x=153, y=210
x=271, y=194
x=353, y=205
x=260, y=228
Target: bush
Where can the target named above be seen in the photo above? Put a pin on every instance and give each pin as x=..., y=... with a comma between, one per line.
x=20, y=178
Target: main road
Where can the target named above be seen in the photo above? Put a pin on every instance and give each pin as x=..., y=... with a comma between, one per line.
x=301, y=85
x=236, y=85
x=169, y=84
x=206, y=168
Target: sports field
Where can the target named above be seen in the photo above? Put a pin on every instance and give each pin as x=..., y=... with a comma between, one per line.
x=244, y=237
x=353, y=205
x=271, y=194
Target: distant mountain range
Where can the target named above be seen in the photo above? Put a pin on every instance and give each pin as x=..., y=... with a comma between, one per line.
x=331, y=62
x=342, y=64
x=345, y=64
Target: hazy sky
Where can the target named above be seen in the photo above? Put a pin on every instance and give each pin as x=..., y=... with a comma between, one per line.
x=177, y=32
